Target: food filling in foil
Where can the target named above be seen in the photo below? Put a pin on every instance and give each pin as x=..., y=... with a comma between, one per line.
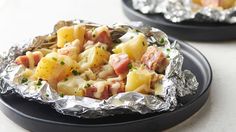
x=89, y=70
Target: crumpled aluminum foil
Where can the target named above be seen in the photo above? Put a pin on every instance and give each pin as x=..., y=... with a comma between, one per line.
x=181, y=10
x=176, y=83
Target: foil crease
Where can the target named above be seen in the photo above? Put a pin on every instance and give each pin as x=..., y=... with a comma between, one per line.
x=182, y=10
x=176, y=83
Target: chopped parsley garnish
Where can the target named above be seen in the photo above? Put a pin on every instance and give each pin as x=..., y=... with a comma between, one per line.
x=47, y=95
x=66, y=79
x=74, y=72
x=168, y=50
x=62, y=95
x=24, y=80
x=168, y=56
x=87, y=85
x=130, y=66
x=162, y=40
x=55, y=59
x=39, y=82
x=62, y=63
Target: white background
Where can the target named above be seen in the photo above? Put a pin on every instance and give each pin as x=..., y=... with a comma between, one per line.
x=22, y=19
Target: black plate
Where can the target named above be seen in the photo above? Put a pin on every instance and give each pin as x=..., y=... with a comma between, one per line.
x=193, y=31
x=39, y=118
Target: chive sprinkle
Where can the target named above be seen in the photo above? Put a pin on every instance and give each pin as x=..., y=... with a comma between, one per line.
x=62, y=95
x=54, y=58
x=130, y=66
x=39, y=82
x=74, y=72
x=24, y=80
x=62, y=63
x=162, y=40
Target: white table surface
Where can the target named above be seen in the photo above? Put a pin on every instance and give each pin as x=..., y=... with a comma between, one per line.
x=21, y=19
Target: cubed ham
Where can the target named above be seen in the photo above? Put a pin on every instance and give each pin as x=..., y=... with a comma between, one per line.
x=116, y=87
x=155, y=59
x=29, y=60
x=99, y=90
x=102, y=36
x=120, y=63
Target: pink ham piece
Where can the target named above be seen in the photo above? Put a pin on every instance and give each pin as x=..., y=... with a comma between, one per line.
x=120, y=63
x=25, y=59
x=155, y=59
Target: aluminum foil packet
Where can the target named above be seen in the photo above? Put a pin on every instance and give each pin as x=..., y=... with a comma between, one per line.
x=182, y=10
x=176, y=83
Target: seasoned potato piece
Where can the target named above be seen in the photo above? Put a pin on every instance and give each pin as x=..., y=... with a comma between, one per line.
x=139, y=81
x=93, y=57
x=68, y=34
x=70, y=86
x=135, y=47
x=54, y=68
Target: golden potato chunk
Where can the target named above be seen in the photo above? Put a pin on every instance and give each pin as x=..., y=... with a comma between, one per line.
x=93, y=57
x=54, y=68
x=134, y=47
x=139, y=81
x=71, y=86
x=69, y=33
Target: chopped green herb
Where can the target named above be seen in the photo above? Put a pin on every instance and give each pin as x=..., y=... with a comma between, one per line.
x=62, y=95
x=134, y=68
x=162, y=40
x=87, y=85
x=66, y=79
x=39, y=82
x=168, y=56
x=130, y=66
x=47, y=95
x=74, y=72
x=55, y=59
x=168, y=50
x=24, y=80
x=62, y=63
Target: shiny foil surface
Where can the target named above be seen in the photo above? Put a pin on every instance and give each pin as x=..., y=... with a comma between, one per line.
x=182, y=10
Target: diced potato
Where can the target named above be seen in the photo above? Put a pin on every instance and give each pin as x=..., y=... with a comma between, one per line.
x=158, y=88
x=68, y=34
x=71, y=86
x=135, y=47
x=139, y=81
x=54, y=68
x=99, y=30
x=93, y=57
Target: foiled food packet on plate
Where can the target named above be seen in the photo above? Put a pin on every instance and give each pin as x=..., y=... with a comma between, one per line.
x=176, y=82
x=189, y=10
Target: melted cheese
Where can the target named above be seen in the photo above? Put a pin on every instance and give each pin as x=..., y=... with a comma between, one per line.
x=31, y=59
x=100, y=88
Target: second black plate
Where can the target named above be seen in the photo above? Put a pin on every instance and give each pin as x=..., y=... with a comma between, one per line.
x=193, y=31
x=38, y=117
